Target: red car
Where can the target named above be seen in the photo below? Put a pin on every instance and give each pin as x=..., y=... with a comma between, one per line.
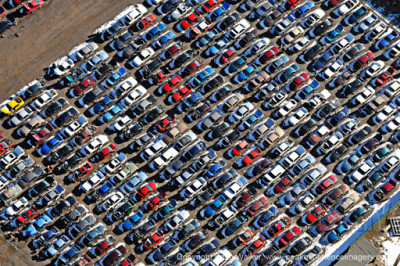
x=172, y=83
x=155, y=202
x=182, y=93
x=209, y=5
x=115, y=255
x=290, y=4
x=82, y=172
x=192, y=67
x=385, y=190
x=84, y=85
x=104, y=246
x=32, y=6
x=257, y=206
x=298, y=82
x=363, y=61
x=227, y=56
x=190, y=20
x=3, y=11
x=316, y=214
x=42, y=134
x=289, y=236
x=269, y=55
x=246, y=197
x=327, y=222
x=5, y=145
x=160, y=76
x=385, y=76
x=86, y=134
x=255, y=246
x=153, y=240
x=244, y=237
x=241, y=147
x=173, y=50
x=28, y=215
x=107, y=151
x=145, y=22
x=284, y=183
x=166, y=123
x=145, y=191
x=278, y=226
x=129, y=261
x=326, y=184
x=252, y=156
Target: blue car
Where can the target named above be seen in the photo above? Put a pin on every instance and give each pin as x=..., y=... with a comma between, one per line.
x=253, y=119
x=308, y=90
x=304, y=9
x=220, y=12
x=207, y=38
x=113, y=113
x=338, y=232
x=287, y=73
x=105, y=103
x=163, y=40
x=216, y=168
x=131, y=222
x=51, y=144
x=277, y=64
x=264, y=218
x=217, y=47
x=155, y=31
x=190, y=101
x=166, y=210
x=115, y=77
x=102, y=191
x=235, y=65
x=246, y=73
x=37, y=226
x=214, y=207
x=75, y=75
x=46, y=237
x=233, y=226
x=387, y=40
x=334, y=34
x=357, y=15
x=323, y=59
x=202, y=76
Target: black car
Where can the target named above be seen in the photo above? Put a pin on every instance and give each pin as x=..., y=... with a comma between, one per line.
x=152, y=115
x=141, y=142
x=6, y=24
x=247, y=38
x=272, y=18
x=212, y=84
x=113, y=30
x=149, y=68
x=73, y=216
x=196, y=240
x=122, y=40
x=189, y=154
x=34, y=89
x=267, y=255
x=19, y=168
x=187, y=229
x=203, y=197
x=132, y=130
x=261, y=166
x=351, y=88
x=322, y=27
x=353, y=52
x=41, y=186
x=301, y=245
x=206, y=249
x=54, y=107
x=30, y=176
x=176, y=258
x=80, y=227
x=225, y=178
x=65, y=117
x=104, y=70
x=61, y=153
x=313, y=52
x=143, y=105
x=169, y=5
x=141, y=232
x=306, y=127
x=61, y=206
x=311, y=255
x=69, y=163
x=182, y=59
x=160, y=253
x=361, y=134
x=199, y=111
x=92, y=95
x=183, y=142
x=326, y=109
x=228, y=21
x=134, y=47
x=123, y=210
x=219, y=130
x=220, y=94
x=228, y=139
x=337, y=153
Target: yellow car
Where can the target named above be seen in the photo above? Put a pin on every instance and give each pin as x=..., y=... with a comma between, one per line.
x=12, y=106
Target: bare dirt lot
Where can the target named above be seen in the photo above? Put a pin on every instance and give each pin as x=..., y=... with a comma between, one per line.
x=49, y=34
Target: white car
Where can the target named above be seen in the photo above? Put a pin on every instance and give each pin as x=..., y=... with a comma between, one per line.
x=299, y=45
x=384, y=113
x=374, y=69
x=138, y=11
x=366, y=23
x=193, y=188
x=295, y=118
x=346, y=7
x=61, y=67
x=237, y=30
x=330, y=71
x=393, y=52
x=179, y=11
x=45, y=98
x=363, y=96
x=361, y=171
x=75, y=126
x=20, y=116
x=94, y=145
x=330, y=143
x=375, y=32
x=286, y=107
x=343, y=43
x=92, y=182
x=122, y=122
x=243, y=110
x=11, y=158
x=393, y=124
x=220, y=258
x=112, y=200
x=257, y=47
x=304, y=203
x=175, y=221
x=312, y=19
x=134, y=96
x=164, y=158
x=125, y=86
x=15, y=208
x=85, y=51
x=292, y=35
x=142, y=57
x=114, y=164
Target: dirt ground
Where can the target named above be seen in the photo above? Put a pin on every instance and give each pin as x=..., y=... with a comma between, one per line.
x=58, y=26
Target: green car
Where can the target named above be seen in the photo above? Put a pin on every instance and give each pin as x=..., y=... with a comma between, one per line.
x=383, y=152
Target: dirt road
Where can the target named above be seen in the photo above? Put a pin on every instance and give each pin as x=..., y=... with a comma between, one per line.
x=49, y=34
